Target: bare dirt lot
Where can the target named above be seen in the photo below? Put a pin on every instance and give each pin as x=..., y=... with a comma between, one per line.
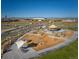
x=44, y=40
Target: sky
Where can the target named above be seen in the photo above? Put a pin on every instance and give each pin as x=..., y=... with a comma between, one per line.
x=39, y=8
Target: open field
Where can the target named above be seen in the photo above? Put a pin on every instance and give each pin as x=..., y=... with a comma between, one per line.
x=8, y=25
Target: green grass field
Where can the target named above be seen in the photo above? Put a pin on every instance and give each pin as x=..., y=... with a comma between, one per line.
x=68, y=52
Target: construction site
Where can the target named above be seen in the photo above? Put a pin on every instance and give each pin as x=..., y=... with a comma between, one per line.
x=45, y=39
x=35, y=37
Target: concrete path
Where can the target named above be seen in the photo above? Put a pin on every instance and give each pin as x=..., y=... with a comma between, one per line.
x=18, y=54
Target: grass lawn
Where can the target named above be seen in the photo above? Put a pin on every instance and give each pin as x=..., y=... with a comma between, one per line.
x=68, y=52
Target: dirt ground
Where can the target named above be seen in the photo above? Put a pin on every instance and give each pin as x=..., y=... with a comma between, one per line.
x=44, y=40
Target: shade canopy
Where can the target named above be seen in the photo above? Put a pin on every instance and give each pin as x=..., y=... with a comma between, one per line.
x=19, y=43
x=52, y=26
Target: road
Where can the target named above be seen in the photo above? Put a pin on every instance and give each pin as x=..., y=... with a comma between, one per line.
x=3, y=31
